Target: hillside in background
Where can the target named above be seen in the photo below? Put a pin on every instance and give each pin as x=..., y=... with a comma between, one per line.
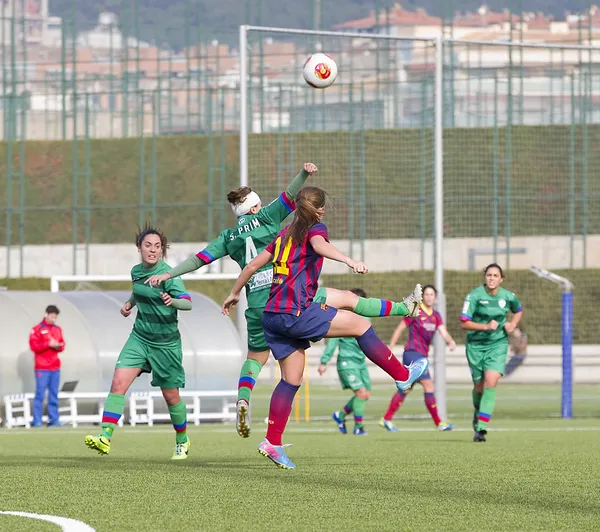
x=162, y=21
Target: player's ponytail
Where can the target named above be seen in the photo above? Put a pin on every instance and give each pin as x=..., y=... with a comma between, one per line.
x=148, y=229
x=310, y=202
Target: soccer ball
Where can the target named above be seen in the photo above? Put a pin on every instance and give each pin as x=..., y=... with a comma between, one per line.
x=319, y=71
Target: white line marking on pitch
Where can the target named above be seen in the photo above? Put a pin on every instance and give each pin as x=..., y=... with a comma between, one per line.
x=225, y=430
x=66, y=524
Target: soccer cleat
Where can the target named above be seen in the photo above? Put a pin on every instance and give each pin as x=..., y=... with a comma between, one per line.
x=98, y=443
x=443, y=426
x=359, y=431
x=479, y=436
x=276, y=454
x=242, y=418
x=416, y=370
x=413, y=302
x=181, y=451
x=388, y=425
x=340, y=422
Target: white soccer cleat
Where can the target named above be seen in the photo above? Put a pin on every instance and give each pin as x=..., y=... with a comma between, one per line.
x=242, y=411
x=413, y=301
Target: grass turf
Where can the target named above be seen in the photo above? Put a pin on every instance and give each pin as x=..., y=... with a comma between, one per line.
x=536, y=472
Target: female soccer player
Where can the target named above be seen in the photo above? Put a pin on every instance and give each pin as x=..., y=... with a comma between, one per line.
x=256, y=227
x=353, y=375
x=153, y=346
x=484, y=318
x=292, y=319
x=421, y=331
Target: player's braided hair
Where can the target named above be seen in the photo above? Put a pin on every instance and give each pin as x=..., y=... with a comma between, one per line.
x=149, y=229
x=308, y=202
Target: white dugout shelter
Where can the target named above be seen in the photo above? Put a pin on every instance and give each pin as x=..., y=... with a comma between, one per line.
x=95, y=332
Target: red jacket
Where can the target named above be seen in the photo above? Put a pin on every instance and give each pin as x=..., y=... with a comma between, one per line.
x=46, y=357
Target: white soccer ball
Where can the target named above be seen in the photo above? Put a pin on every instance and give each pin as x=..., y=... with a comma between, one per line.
x=319, y=71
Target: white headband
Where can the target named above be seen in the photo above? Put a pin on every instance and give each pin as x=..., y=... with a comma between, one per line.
x=251, y=200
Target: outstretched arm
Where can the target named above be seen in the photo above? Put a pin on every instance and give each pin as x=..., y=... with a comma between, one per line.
x=191, y=264
x=251, y=268
x=298, y=182
x=329, y=251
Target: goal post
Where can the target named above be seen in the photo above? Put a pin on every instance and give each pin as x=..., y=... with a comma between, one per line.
x=381, y=118
x=566, y=336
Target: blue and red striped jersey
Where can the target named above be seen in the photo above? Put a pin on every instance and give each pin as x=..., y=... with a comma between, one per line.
x=421, y=331
x=296, y=270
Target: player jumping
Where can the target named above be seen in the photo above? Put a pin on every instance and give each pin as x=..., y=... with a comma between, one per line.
x=256, y=227
x=292, y=319
x=154, y=344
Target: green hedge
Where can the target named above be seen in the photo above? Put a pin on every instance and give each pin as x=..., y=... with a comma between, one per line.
x=541, y=299
x=381, y=182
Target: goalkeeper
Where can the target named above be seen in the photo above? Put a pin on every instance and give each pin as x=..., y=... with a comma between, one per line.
x=256, y=227
x=484, y=318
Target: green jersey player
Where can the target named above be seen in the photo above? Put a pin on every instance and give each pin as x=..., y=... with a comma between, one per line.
x=353, y=374
x=154, y=345
x=483, y=316
x=256, y=227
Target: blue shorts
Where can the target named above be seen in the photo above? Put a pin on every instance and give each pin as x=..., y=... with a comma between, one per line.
x=286, y=333
x=410, y=356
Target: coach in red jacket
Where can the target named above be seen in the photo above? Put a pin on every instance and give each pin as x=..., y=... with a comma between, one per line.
x=46, y=341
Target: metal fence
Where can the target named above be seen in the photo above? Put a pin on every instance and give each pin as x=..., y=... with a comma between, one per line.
x=134, y=131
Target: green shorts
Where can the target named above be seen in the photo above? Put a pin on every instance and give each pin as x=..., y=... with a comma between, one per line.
x=354, y=378
x=486, y=357
x=165, y=362
x=254, y=328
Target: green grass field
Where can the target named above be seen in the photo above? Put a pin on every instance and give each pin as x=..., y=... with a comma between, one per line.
x=536, y=472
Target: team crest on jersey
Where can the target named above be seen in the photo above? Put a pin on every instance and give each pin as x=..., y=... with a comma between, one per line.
x=502, y=303
x=324, y=307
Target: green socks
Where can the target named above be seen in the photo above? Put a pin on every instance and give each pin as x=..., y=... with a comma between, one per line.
x=372, y=307
x=488, y=401
x=178, y=415
x=248, y=375
x=476, y=400
x=359, y=411
x=349, y=408
x=113, y=410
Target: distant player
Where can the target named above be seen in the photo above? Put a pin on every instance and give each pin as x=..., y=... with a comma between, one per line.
x=154, y=345
x=257, y=226
x=292, y=319
x=484, y=318
x=421, y=331
x=353, y=374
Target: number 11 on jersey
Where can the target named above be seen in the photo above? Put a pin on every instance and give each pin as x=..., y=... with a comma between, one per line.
x=280, y=264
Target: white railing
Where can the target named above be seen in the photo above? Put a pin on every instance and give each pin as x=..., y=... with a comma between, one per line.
x=141, y=408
